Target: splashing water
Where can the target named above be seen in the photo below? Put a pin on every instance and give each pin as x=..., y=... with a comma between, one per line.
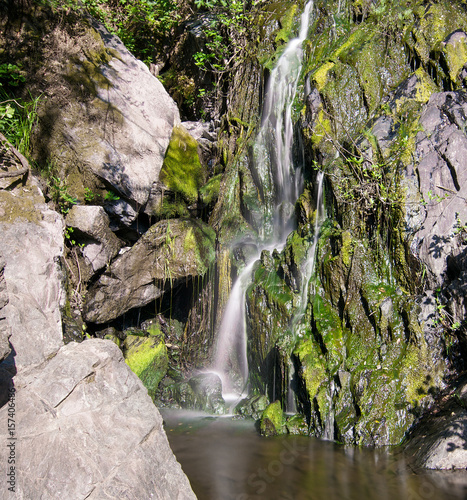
x=281, y=185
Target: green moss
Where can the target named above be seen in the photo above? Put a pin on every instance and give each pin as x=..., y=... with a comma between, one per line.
x=210, y=191
x=456, y=57
x=287, y=21
x=182, y=171
x=113, y=338
x=200, y=242
x=347, y=248
x=273, y=421
x=321, y=129
x=320, y=76
x=147, y=358
x=313, y=365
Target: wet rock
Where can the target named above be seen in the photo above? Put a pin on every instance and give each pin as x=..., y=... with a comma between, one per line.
x=297, y=425
x=95, y=429
x=167, y=254
x=207, y=389
x=100, y=243
x=252, y=406
x=201, y=392
x=272, y=421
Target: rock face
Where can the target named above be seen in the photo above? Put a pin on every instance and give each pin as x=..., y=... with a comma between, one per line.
x=106, y=120
x=100, y=243
x=168, y=252
x=32, y=248
x=4, y=327
x=439, y=441
x=86, y=428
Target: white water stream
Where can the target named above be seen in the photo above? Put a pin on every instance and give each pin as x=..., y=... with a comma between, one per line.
x=281, y=185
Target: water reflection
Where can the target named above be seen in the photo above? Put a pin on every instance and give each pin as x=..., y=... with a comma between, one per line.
x=226, y=459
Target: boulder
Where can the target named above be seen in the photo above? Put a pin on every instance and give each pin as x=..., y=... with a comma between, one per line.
x=86, y=428
x=167, y=254
x=207, y=389
x=147, y=358
x=272, y=420
x=32, y=249
x=106, y=120
x=439, y=440
x=91, y=224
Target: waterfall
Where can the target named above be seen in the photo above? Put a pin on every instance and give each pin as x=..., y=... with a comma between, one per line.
x=281, y=185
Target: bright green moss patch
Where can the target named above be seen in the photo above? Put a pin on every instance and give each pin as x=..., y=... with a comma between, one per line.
x=273, y=421
x=210, y=191
x=182, y=171
x=147, y=358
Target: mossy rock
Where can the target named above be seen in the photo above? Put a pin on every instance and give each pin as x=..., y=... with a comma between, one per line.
x=297, y=425
x=147, y=358
x=182, y=171
x=273, y=421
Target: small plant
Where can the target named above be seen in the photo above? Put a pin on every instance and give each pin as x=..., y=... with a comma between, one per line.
x=60, y=195
x=111, y=196
x=89, y=196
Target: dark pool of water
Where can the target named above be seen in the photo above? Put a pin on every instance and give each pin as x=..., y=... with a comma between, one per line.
x=226, y=459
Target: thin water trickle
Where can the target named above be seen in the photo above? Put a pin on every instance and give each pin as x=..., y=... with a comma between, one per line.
x=281, y=185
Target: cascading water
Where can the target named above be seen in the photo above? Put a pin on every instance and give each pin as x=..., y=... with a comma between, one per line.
x=281, y=185
x=281, y=182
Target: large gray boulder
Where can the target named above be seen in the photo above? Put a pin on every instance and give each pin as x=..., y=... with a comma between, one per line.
x=87, y=428
x=106, y=121
x=168, y=253
x=32, y=248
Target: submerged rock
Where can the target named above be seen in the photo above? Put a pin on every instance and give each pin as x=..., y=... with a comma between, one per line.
x=86, y=428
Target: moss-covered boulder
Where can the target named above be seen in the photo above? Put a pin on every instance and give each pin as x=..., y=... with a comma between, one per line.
x=273, y=420
x=147, y=358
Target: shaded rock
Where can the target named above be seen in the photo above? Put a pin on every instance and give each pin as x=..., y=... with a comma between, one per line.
x=200, y=392
x=252, y=406
x=86, y=428
x=440, y=439
x=168, y=252
x=100, y=243
x=296, y=425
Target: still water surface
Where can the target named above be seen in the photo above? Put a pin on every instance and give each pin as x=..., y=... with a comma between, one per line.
x=226, y=459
